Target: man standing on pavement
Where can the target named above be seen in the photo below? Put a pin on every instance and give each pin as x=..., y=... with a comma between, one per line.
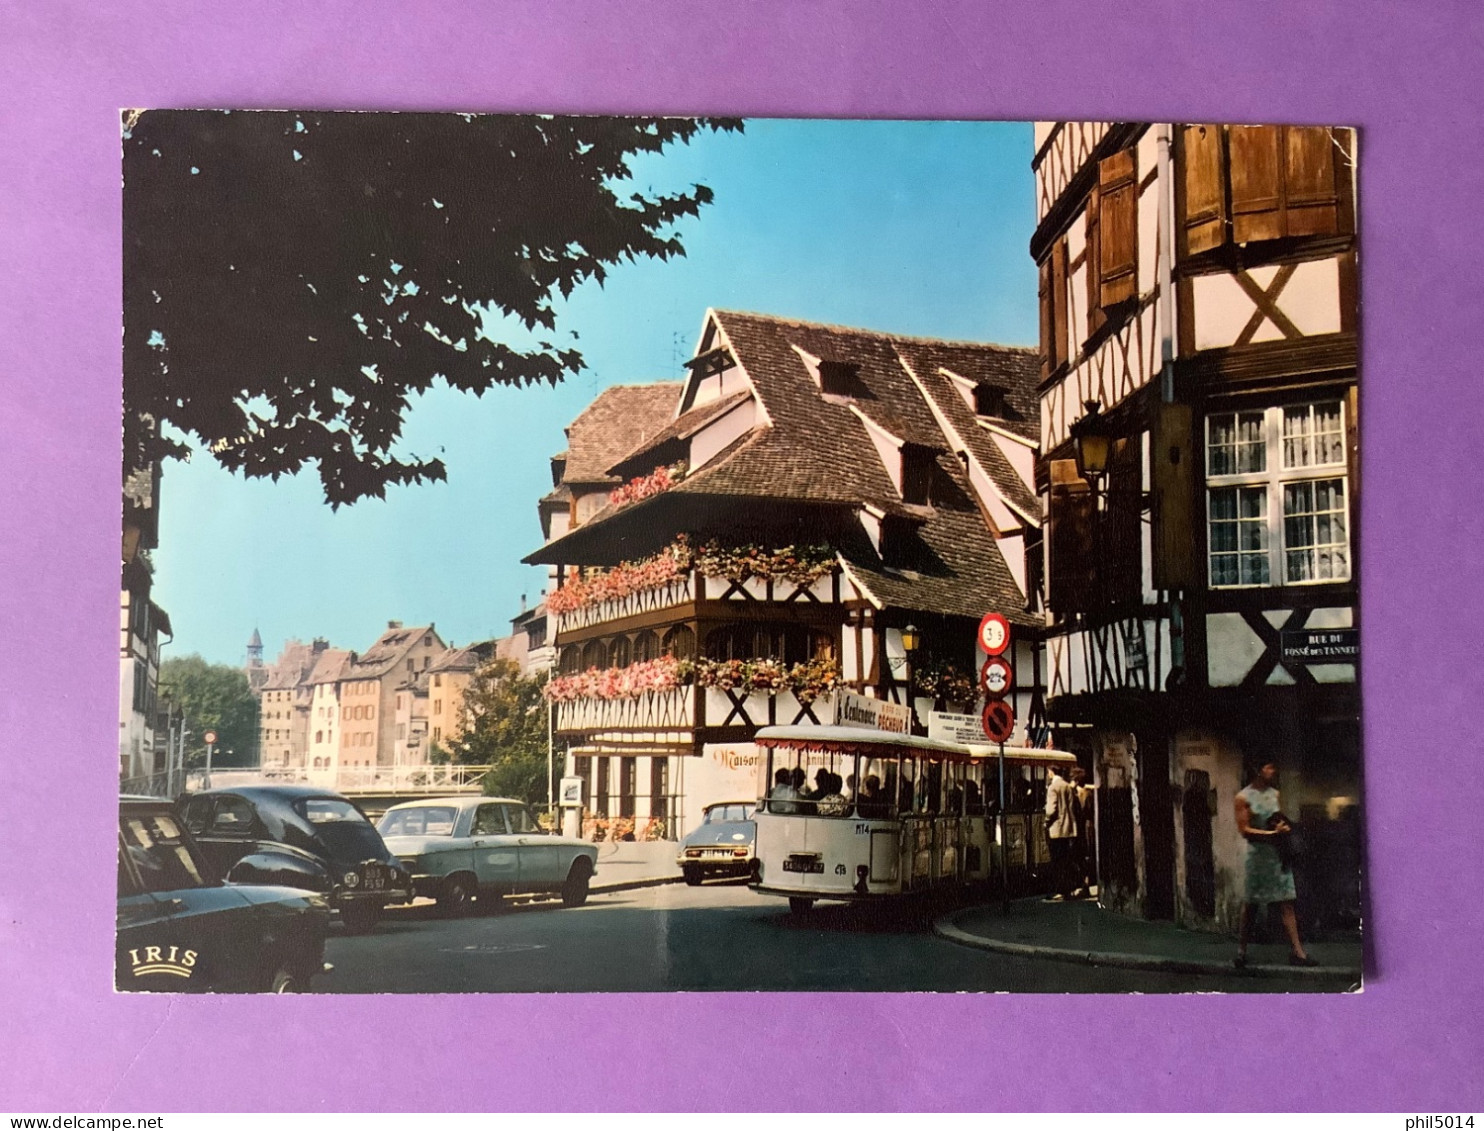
x=1061, y=830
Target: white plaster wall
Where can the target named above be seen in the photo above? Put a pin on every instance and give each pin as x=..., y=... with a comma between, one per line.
x=706, y=443
x=1197, y=749
x=1022, y=457
x=1231, y=649
x=1310, y=300
x=1012, y=549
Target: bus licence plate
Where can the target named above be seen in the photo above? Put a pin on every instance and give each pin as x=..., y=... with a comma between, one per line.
x=803, y=864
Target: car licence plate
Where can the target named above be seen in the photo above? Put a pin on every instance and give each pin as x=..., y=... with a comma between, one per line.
x=374, y=879
x=803, y=864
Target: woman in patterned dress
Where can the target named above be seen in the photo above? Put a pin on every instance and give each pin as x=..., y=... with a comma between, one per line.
x=1268, y=879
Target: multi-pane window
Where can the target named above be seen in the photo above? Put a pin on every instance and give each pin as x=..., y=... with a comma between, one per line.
x=1277, y=507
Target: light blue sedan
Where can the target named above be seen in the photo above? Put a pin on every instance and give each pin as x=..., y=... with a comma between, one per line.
x=459, y=849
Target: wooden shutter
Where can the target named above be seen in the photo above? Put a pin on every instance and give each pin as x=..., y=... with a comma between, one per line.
x=1059, y=303
x=1172, y=461
x=1118, y=228
x=1095, y=315
x=1203, y=188
x=1120, y=545
x=1048, y=320
x=1069, y=564
x=1256, y=177
x=1311, y=202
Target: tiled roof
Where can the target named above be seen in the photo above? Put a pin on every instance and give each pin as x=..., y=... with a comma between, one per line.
x=621, y=418
x=291, y=667
x=384, y=655
x=1014, y=370
x=461, y=659
x=818, y=451
x=682, y=426
x=329, y=667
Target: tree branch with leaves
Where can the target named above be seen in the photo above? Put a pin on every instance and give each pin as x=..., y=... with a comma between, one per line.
x=294, y=281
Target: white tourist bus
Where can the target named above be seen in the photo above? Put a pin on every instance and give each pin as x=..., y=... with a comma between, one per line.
x=850, y=813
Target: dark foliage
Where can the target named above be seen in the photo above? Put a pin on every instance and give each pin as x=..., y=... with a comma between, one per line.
x=293, y=280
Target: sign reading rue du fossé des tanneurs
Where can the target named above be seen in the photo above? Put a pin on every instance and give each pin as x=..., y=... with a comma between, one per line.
x=1319, y=646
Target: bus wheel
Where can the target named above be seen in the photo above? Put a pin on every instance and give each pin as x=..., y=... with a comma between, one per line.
x=799, y=904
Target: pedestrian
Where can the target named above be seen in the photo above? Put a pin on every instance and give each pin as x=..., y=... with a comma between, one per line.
x=1268, y=877
x=1084, y=855
x=1061, y=831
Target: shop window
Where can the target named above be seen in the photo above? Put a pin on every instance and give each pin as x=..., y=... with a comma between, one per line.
x=1277, y=496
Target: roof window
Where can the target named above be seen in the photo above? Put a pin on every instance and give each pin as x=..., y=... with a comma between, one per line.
x=989, y=400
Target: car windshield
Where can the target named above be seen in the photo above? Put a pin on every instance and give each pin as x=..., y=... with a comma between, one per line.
x=323, y=810
x=160, y=854
x=719, y=813
x=342, y=829
x=420, y=820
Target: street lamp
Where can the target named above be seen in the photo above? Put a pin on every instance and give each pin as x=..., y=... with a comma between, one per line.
x=911, y=640
x=1092, y=440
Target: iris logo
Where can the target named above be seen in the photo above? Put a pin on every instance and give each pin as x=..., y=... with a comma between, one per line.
x=162, y=960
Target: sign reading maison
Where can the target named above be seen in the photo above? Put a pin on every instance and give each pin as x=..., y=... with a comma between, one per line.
x=1319, y=646
x=853, y=710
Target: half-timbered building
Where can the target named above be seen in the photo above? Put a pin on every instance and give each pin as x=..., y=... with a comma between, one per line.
x=1198, y=353
x=813, y=492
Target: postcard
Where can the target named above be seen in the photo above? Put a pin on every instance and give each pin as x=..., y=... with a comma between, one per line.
x=592, y=554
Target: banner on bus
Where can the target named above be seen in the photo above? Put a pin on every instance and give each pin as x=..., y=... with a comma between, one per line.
x=852, y=710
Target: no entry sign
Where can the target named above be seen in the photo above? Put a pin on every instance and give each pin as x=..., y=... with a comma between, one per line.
x=994, y=633
x=999, y=721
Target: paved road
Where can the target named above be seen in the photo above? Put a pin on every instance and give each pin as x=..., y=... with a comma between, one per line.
x=717, y=937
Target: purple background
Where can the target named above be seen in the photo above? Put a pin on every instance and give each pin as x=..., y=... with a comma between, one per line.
x=1408, y=75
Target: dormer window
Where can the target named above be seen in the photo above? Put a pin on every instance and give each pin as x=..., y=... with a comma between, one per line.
x=989, y=400
x=917, y=473
x=839, y=378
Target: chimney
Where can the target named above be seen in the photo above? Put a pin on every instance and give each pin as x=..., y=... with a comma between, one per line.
x=522, y=602
x=393, y=624
x=319, y=645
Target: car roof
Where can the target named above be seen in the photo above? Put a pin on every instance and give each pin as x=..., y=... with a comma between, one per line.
x=269, y=792
x=719, y=804
x=462, y=802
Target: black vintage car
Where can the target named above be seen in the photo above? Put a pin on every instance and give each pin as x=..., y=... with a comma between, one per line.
x=181, y=929
x=303, y=837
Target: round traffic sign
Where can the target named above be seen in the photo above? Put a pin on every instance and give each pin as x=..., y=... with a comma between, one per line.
x=998, y=720
x=994, y=633
x=209, y=738
x=996, y=677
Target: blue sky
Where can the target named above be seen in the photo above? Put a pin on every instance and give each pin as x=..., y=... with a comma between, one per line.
x=909, y=227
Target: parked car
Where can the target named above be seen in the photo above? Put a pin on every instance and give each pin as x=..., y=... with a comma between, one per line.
x=299, y=836
x=463, y=848
x=181, y=929
x=722, y=845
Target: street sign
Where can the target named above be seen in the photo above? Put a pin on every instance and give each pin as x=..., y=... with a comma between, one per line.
x=996, y=677
x=998, y=720
x=852, y=710
x=209, y=738
x=994, y=633
x=947, y=726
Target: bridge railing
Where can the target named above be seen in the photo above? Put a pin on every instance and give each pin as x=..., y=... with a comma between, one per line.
x=420, y=780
